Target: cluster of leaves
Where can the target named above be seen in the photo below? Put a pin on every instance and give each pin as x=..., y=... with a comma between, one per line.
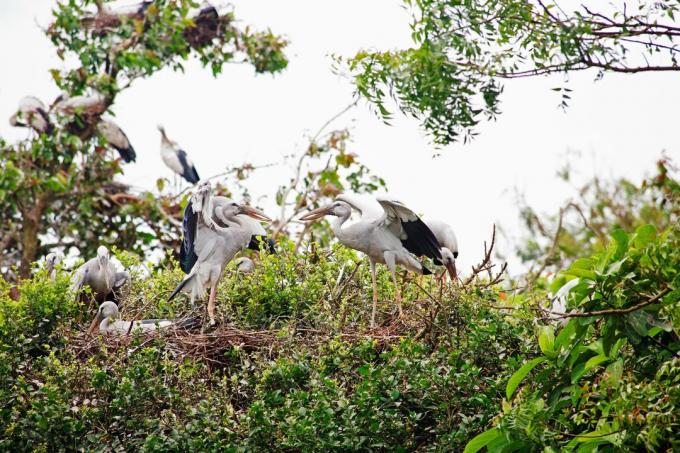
x=49, y=177
x=323, y=382
x=610, y=375
x=451, y=78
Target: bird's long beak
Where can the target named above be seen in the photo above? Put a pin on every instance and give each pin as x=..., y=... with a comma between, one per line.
x=95, y=323
x=452, y=270
x=317, y=213
x=255, y=213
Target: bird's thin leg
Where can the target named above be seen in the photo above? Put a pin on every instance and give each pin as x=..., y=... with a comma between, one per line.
x=211, y=304
x=375, y=293
x=390, y=261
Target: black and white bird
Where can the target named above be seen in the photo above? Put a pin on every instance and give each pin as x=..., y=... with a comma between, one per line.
x=213, y=233
x=108, y=321
x=100, y=274
x=117, y=139
x=89, y=104
x=177, y=159
x=394, y=238
x=449, y=245
x=32, y=113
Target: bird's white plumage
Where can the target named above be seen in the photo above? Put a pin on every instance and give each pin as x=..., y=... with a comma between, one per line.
x=98, y=273
x=108, y=321
x=446, y=238
x=31, y=113
x=245, y=265
x=172, y=156
x=92, y=103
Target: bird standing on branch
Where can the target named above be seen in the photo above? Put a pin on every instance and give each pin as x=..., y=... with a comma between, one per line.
x=392, y=238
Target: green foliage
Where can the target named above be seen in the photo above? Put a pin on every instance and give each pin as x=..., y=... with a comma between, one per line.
x=598, y=370
x=451, y=78
x=321, y=382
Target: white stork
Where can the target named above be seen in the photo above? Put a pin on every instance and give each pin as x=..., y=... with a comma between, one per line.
x=117, y=139
x=32, y=113
x=177, y=159
x=92, y=104
x=108, y=321
x=213, y=233
x=245, y=265
x=392, y=238
x=52, y=260
x=448, y=242
x=99, y=274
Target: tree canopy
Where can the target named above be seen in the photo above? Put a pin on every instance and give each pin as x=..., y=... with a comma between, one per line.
x=452, y=77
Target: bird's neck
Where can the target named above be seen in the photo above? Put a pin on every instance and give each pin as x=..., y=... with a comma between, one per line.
x=336, y=225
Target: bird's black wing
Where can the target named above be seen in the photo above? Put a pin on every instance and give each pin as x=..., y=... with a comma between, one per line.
x=187, y=254
x=420, y=240
x=127, y=154
x=269, y=243
x=188, y=170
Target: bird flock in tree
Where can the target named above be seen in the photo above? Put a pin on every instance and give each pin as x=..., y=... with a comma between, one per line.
x=216, y=229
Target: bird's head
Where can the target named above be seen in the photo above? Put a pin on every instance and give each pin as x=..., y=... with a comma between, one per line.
x=245, y=265
x=107, y=310
x=103, y=256
x=337, y=208
x=53, y=259
x=449, y=260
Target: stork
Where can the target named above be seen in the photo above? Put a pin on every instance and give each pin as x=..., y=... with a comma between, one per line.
x=93, y=104
x=33, y=114
x=213, y=233
x=392, y=238
x=117, y=139
x=448, y=242
x=108, y=321
x=245, y=265
x=98, y=273
x=177, y=159
x=52, y=260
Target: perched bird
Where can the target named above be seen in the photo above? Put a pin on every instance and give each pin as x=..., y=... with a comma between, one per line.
x=52, y=260
x=245, y=265
x=98, y=273
x=92, y=104
x=107, y=19
x=448, y=242
x=176, y=159
x=32, y=113
x=107, y=320
x=117, y=139
x=213, y=233
x=391, y=238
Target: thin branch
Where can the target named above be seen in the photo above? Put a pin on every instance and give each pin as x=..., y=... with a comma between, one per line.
x=611, y=311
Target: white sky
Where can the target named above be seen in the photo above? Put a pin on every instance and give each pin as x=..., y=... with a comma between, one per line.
x=620, y=125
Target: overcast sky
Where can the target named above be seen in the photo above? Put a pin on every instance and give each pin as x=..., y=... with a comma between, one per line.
x=619, y=125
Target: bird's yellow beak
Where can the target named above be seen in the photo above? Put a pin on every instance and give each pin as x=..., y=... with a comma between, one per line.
x=95, y=323
x=317, y=213
x=255, y=213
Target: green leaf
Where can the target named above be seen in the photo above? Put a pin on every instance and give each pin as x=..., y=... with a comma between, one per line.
x=613, y=373
x=520, y=374
x=482, y=440
x=595, y=361
x=644, y=235
x=546, y=341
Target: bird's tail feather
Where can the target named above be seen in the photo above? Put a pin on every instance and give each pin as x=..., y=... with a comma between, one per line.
x=181, y=286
